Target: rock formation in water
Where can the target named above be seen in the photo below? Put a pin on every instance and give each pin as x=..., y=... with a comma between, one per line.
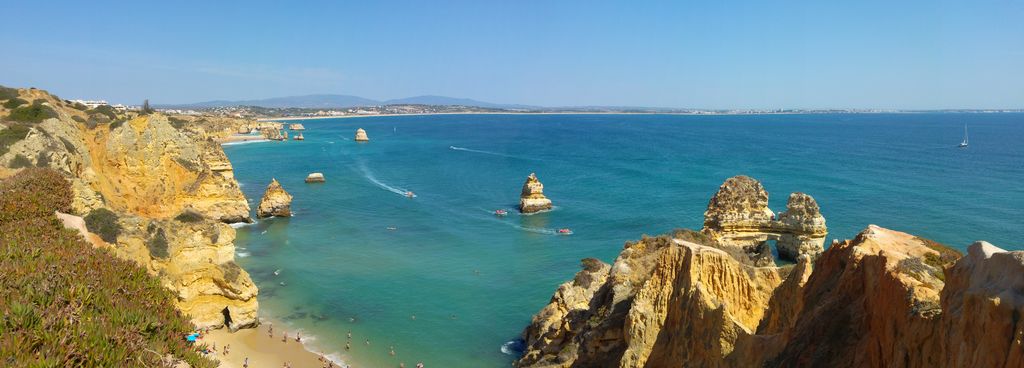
x=170, y=185
x=738, y=216
x=361, y=135
x=882, y=299
x=532, y=198
x=315, y=178
x=296, y=126
x=276, y=202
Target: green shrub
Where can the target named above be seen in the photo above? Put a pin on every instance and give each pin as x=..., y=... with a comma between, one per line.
x=19, y=162
x=177, y=123
x=35, y=113
x=14, y=102
x=947, y=256
x=116, y=124
x=591, y=264
x=12, y=134
x=79, y=106
x=105, y=110
x=7, y=93
x=189, y=216
x=43, y=159
x=95, y=120
x=103, y=222
x=64, y=303
x=157, y=245
x=78, y=118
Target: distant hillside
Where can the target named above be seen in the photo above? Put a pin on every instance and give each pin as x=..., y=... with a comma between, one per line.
x=343, y=101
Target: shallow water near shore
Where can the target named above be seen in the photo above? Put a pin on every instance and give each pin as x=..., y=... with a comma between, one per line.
x=360, y=256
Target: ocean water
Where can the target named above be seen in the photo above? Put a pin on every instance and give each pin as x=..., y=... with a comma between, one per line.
x=360, y=256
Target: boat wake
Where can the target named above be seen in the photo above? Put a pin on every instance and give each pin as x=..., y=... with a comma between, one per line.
x=244, y=142
x=454, y=148
x=373, y=179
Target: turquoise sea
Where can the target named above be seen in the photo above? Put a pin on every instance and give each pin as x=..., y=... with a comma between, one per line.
x=473, y=280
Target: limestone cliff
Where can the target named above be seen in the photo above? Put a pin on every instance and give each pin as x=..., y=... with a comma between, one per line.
x=276, y=202
x=532, y=198
x=882, y=299
x=170, y=185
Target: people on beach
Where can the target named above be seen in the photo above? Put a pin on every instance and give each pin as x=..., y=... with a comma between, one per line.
x=226, y=349
x=284, y=339
x=297, y=337
x=246, y=363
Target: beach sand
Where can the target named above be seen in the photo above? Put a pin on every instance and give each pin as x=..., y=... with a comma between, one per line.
x=262, y=351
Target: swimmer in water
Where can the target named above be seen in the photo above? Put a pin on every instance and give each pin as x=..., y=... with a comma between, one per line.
x=367, y=341
x=350, y=334
x=392, y=352
x=348, y=346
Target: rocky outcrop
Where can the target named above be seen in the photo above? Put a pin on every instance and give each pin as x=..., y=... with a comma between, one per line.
x=532, y=198
x=982, y=305
x=315, y=178
x=656, y=288
x=882, y=299
x=276, y=202
x=738, y=216
x=361, y=135
x=195, y=259
x=296, y=126
x=171, y=187
x=148, y=168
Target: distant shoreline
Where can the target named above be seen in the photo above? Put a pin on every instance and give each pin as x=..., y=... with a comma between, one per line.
x=289, y=118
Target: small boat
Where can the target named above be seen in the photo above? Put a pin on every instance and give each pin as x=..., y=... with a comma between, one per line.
x=500, y=212
x=278, y=272
x=564, y=231
x=392, y=228
x=964, y=143
x=410, y=194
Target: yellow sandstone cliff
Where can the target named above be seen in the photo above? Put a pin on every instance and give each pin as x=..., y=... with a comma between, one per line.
x=172, y=189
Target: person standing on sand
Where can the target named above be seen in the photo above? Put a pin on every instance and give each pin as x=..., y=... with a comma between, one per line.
x=284, y=339
x=246, y=364
x=297, y=337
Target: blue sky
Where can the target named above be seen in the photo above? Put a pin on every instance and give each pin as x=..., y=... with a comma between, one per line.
x=705, y=54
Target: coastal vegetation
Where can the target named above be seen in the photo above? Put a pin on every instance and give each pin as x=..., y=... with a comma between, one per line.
x=34, y=113
x=64, y=303
x=10, y=135
x=103, y=222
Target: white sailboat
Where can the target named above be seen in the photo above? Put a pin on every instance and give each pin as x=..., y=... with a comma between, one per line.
x=964, y=143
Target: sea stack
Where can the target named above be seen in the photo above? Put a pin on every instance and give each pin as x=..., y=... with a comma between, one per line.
x=532, y=198
x=315, y=178
x=361, y=135
x=275, y=202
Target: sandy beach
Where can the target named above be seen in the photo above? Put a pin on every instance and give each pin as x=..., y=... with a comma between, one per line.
x=262, y=350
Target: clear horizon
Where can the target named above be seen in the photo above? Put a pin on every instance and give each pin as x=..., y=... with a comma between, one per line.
x=916, y=55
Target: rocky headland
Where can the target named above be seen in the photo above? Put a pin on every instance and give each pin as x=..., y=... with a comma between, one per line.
x=276, y=202
x=531, y=198
x=154, y=189
x=705, y=299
